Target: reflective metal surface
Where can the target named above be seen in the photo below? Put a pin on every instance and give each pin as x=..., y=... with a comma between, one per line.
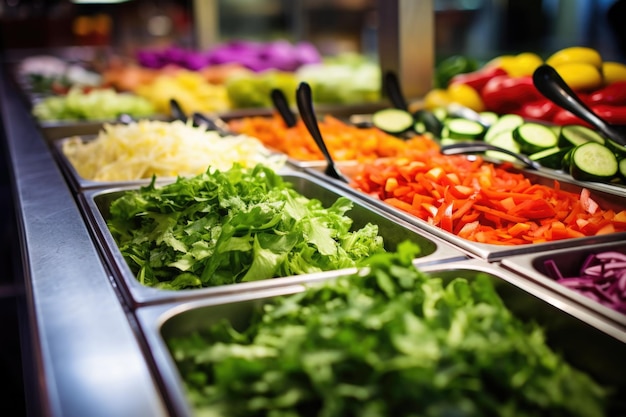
x=88, y=359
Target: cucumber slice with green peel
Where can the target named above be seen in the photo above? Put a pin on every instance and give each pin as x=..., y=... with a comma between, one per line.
x=489, y=117
x=448, y=141
x=505, y=122
x=504, y=140
x=567, y=159
x=593, y=161
x=427, y=122
x=574, y=135
x=464, y=129
x=393, y=121
x=550, y=158
x=620, y=150
x=440, y=113
x=534, y=137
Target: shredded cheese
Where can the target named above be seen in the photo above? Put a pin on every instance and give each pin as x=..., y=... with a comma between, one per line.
x=165, y=149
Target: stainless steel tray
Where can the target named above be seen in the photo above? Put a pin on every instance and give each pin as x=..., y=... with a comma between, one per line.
x=490, y=252
x=96, y=205
x=586, y=342
x=569, y=262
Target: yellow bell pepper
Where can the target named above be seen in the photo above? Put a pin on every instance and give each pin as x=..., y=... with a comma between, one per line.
x=613, y=72
x=437, y=97
x=520, y=65
x=578, y=54
x=580, y=76
x=467, y=96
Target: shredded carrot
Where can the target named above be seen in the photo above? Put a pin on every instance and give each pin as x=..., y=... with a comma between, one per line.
x=344, y=141
x=494, y=204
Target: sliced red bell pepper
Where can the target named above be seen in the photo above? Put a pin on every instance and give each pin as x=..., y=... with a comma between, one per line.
x=613, y=94
x=504, y=94
x=477, y=79
x=542, y=109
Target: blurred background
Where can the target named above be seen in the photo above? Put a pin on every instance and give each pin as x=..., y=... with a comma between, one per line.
x=478, y=28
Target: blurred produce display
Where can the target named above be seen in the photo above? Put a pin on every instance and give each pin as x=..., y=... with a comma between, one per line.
x=165, y=149
x=504, y=85
x=256, y=56
x=238, y=225
x=389, y=341
x=344, y=141
x=250, y=89
x=46, y=74
x=483, y=202
x=96, y=104
x=190, y=89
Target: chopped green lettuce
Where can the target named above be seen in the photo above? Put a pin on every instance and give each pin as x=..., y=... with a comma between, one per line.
x=389, y=341
x=234, y=226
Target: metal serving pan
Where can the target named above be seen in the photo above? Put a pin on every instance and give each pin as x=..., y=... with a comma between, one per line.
x=490, y=252
x=569, y=262
x=96, y=205
x=585, y=340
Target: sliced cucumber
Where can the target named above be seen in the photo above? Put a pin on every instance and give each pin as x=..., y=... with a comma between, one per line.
x=567, y=159
x=593, y=161
x=440, y=113
x=534, y=137
x=504, y=140
x=620, y=150
x=489, y=117
x=393, y=121
x=550, y=158
x=427, y=122
x=505, y=122
x=464, y=129
x=574, y=135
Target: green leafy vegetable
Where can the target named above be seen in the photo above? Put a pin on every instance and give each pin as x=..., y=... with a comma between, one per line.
x=232, y=226
x=391, y=341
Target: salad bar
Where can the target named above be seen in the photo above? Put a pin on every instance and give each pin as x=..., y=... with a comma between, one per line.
x=172, y=269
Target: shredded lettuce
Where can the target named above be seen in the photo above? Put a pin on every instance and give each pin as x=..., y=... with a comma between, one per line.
x=223, y=227
x=389, y=341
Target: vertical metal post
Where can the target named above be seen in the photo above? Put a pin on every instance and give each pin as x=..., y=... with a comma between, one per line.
x=406, y=43
x=206, y=23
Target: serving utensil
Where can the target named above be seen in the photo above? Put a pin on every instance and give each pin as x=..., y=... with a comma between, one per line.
x=282, y=106
x=477, y=147
x=304, y=99
x=549, y=83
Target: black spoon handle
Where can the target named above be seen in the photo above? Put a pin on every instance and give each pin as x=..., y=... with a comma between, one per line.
x=281, y=104
x=177, y=110
x=394, y=91
x=304, y=99
x=553, y=87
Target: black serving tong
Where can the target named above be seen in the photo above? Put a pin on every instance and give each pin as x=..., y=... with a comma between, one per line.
x=478, y=147
x=553, y=87
x=176, y=110
x=304, y=99
x=212, y=123
x=282, y=106
x=392, y=87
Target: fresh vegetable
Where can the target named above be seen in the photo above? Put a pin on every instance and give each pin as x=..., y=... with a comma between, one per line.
x=99, y=104
x=503, y=94
x=579, y=54
x=390, y=341
x=451, y=67
x=393, y=121
x=593, y=161
x=345, y=142
x=482, y=202
x=166, y=149
x=521, y=65
x=613, y=72
x=477, y=79
x=463, y=129
x=602, y=277
x=224, y=227
x=613, y=94
x=534, y=137
x=574, y=135
x=580, y=76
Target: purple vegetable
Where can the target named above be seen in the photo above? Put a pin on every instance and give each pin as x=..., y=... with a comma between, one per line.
x=602, y=278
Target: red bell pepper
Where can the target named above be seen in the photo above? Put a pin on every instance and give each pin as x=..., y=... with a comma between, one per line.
x=615, y=115
x=477, y=79
x=504, y=94
x=542, y=109
x=564, y=117
x=613, y=94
